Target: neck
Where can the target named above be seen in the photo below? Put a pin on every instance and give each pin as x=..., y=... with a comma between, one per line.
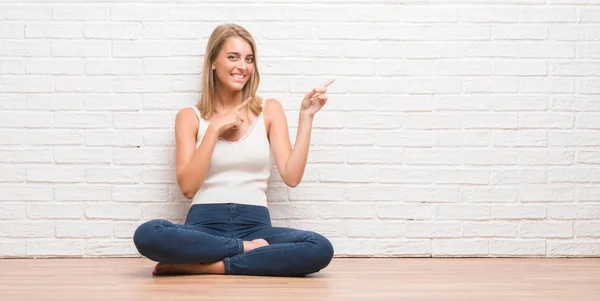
x=225, y=100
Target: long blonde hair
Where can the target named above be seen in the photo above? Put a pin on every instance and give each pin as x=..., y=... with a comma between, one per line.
x=215, y=42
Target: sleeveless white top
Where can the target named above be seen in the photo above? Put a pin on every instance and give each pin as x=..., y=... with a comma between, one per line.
x=239, y=170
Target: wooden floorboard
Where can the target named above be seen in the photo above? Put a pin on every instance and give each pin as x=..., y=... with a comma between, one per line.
x=345, y=279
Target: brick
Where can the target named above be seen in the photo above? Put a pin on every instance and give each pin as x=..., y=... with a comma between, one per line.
x=459, y=247
x=405, y=211
x=412, y=103
x=26, y=229
x=76, y=48
x=82, y=120
x=12, y=102
x=489, y=15
x=586, y=193
x=82, y=229
x=489, y=229
x=574, y=211
x=113, y=31
x=12, y=66
x=490, y=121
x=54, y=31
x=538, y=157
x=55, y=102
x=76, y=12
x=520, y=138
x=115, y=138
x=488, y=194
x=545, y=229
x=55, y=247
x=29, y=192
x=56, y=174
x=462, y=212
x=379, y=155
x=54, y=211
x=113, y=66
x=432, y=157
x=142, y=49
x=12, y=211
x=517, y=176
x=351, y=211
x=458, y=138
x=111, y=212
x=518, y=212
x=570, y=32
x=406, y=138
x=519, y=103
x=547, y=14
x=517, y=247
x=347, y=173
x=518, y=32
x=81, y=193
x=404, y=175
x=546, y=193
x=13, y=248
x=588, y=86
x=461, y=103
x=489, y=157
x=461, y=176
x=432, y=230
x=432, y=121
x=587, y=229
x=561, y=248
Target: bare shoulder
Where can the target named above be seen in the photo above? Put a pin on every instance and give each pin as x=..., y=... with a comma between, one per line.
x=186, y=121
x=272, y=109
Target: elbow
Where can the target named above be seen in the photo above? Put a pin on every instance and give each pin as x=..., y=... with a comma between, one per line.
x=187, y=192
x=292, y=183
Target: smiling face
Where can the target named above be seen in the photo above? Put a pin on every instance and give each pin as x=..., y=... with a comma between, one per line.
x=234, y=64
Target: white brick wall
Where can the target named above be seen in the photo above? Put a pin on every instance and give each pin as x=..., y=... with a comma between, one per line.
x=455, y=127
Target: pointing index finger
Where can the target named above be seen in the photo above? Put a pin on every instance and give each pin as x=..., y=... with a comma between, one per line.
x=328, y=82
x=244, y=103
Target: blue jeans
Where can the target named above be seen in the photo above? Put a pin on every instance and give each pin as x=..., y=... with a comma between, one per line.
x=214, y=232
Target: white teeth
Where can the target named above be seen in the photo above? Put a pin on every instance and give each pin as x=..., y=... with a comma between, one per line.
x=238, y=76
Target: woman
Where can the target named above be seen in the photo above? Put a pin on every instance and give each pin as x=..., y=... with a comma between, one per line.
x=224, y=148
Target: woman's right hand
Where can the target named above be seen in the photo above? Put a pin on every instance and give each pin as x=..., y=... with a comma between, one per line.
x=231, y=120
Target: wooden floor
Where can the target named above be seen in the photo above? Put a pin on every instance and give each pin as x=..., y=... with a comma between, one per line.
x=345, y=279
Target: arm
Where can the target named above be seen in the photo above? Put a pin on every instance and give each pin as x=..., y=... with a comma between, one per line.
x=290, y=162
x=191, y=163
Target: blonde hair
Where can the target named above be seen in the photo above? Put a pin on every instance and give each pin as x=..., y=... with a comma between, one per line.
x=215, y=42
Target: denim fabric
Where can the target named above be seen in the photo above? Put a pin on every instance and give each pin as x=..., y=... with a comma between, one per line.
x=214, y=232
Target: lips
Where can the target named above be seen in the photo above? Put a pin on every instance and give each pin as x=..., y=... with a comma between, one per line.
x=238, y=77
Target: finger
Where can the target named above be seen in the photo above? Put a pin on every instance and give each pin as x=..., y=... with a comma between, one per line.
x=243, y=104
x=312, y=93
x=319, y=91
x=240, y=117
x=328, y=82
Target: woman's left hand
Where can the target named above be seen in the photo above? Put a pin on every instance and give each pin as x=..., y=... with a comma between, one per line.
x=314, y=100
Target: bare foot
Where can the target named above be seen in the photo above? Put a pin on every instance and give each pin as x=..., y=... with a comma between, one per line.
x=253, y=244
x=189, y=269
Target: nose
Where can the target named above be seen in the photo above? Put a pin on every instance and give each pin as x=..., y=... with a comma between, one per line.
x=241, y=65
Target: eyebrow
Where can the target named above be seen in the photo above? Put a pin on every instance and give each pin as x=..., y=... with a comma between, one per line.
x=251, y=54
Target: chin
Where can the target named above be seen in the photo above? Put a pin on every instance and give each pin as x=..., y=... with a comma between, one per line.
x=237, y=86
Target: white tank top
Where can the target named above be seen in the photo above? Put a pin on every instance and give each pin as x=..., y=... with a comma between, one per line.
x=238, y=171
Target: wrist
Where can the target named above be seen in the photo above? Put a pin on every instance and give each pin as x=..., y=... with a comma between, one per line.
x=212, y=130
x=305, y=115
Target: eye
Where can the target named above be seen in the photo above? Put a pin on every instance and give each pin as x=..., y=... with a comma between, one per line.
x=231, y=57
x=250, y=59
